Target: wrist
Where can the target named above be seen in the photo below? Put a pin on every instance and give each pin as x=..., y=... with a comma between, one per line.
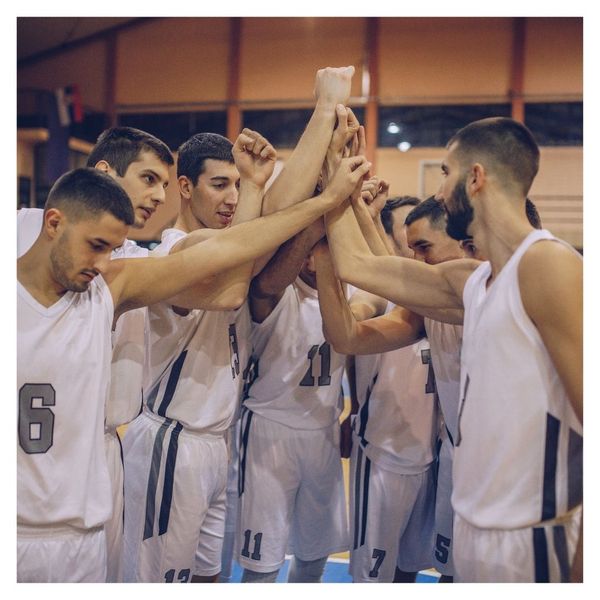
x=248, y=185
x=325, y=108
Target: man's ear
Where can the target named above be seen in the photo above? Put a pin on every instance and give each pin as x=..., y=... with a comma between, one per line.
x=54, y=222
x=185, y=187
x=103, y=166
x=476, y=179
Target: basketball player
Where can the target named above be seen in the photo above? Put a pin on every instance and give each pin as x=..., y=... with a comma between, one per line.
x=201, y=340
x=63, y=486
x=291, y=481
x=514, y=520
x=140, y=163
x=387, y=452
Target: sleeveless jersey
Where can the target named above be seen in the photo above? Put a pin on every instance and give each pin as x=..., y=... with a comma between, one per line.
x=518, y=457
x=124, y=399
x=192, y=362
x=243, y=329
x=63, y=358
x=397, y=418
x=298, y=376
x=127, y=367
x=29, y=225
x=445, y=341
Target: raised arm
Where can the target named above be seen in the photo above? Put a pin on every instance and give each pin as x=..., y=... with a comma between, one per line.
x=298, y=178
x=404, y=281
x=394, y=330
x=267, y=288
x=145, y=281
x=255, y=159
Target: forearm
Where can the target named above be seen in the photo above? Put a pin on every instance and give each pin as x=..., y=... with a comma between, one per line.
x=339, y=324
x=298, y=179
x=250, y=201
x=405, y=282
x=284, y=266
x=165, y=277
x=369, y=229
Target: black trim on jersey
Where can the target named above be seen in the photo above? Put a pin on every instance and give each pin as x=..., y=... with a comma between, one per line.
x=575, y=470
x=449, y=434
x=365, y=505
x=550, y=463
x=167, y=495
x=244, y=433
x=357, y=469
x=460, y=411
x=364, y=413
x=151, y=396
x=122, y=471
x=153, y=479
x=561, y=551
x=171, y=384
x=540, y=553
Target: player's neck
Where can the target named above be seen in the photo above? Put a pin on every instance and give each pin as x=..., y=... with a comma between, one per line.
x=33, y=273
x=499, y=233
x=186, y=221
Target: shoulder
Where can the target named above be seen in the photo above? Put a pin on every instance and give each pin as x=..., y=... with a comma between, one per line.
x=550, y=278
x=549, y=264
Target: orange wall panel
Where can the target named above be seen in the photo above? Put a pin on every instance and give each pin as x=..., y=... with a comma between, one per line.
x=432, y=59
x=280, y=56
x=174, y=60
x=554, y=56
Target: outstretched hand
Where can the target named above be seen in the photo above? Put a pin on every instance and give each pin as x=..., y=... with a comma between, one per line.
x=348, y=176
x=254, y=157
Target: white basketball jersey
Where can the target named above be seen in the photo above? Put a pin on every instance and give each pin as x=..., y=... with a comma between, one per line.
x=29, y=226
x=397, y=419
x=298, y=379
x=127, y=367
x=125, y=395
x=243, y=328
x=192, y=362
x=446, y=341
x=63, y=369
x=518, y=456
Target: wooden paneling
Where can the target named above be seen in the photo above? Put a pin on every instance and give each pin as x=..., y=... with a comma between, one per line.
x=173, y=60
x=437, y=58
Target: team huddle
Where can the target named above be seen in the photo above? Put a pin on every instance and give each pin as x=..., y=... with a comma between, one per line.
x=457, y=319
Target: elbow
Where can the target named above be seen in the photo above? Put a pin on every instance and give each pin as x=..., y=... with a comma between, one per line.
x=339, y=345
x=232, y=302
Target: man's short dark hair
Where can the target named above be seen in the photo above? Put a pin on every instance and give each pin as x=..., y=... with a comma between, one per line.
x=87, y=193
x=120, y=146
x=387, y=216
x=192, y=154
x=503, y=146
x=432, y=210
x=533, y=216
